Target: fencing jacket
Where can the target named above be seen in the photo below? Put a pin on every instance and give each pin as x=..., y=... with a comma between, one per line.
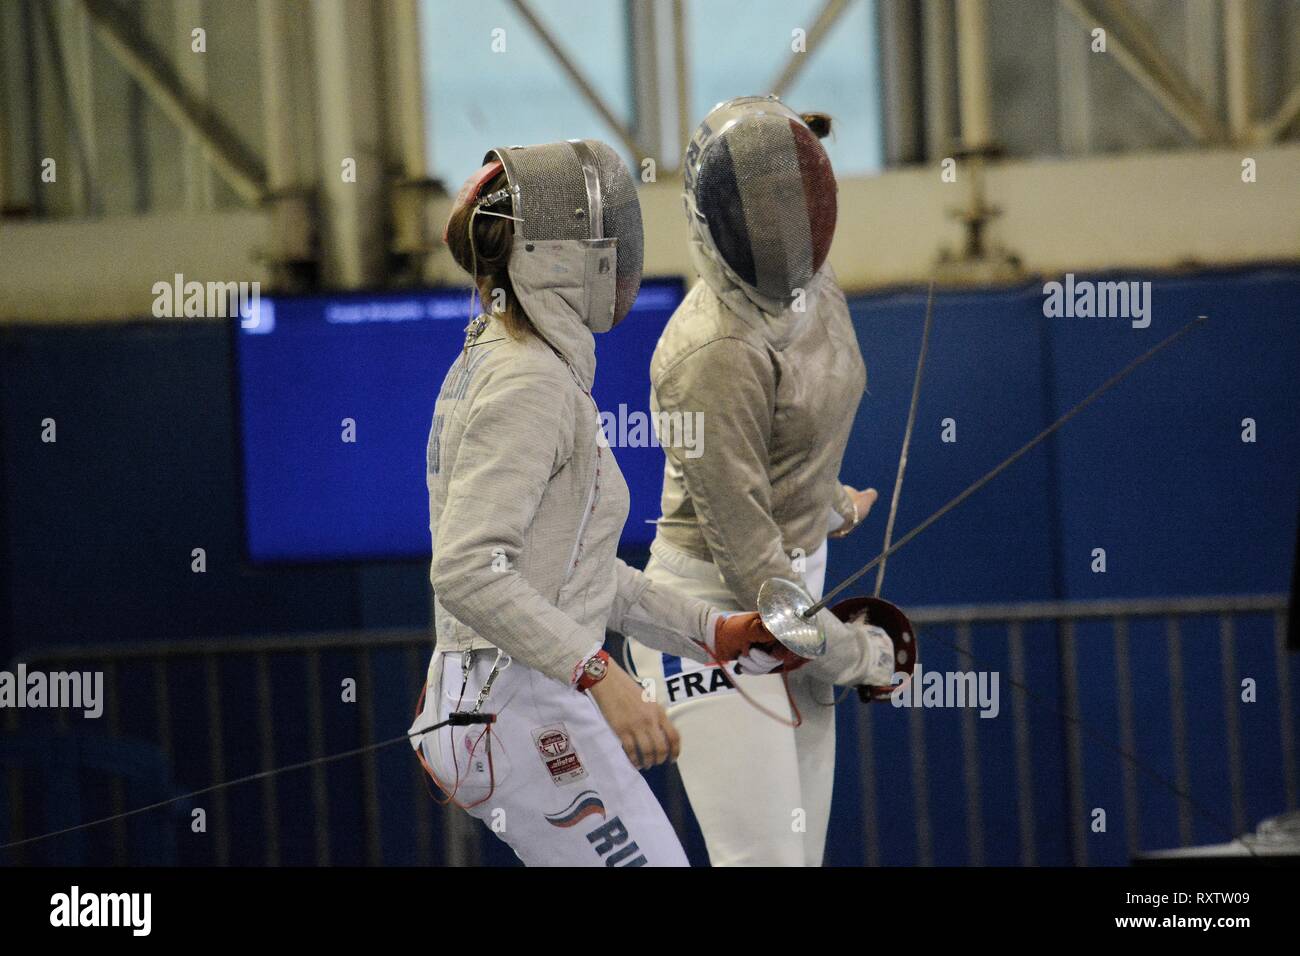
x=526, y=505
x=778, y=390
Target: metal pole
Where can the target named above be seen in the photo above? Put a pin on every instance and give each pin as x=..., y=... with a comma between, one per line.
x=72, y=108
x=78, y=49
x=415, y=189
x=644, y=42
x=826, y=18
x=1202, y=45
x=682, y=69
x=1078, y=823
x=1151, y=56
x=1232, y=720
x=970, y=758
x=266, y=737
x=1236, y=66
x=973, y=69
x=1127, y=737
x=347, y=96
x=1191, y=116
x=5, y=114
x=293, y=224
x=1178, y=727
x=193, y=72
x=938, y=65
x=1024, y=747
x=1074, y=85
x=233, y=160
x=410, y=112
x=920, y=783
x=575, y=75
x=1285, y=712
x=896, y=25
x=273, y=27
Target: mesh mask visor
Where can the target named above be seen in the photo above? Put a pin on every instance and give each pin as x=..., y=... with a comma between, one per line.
x=578, y=190
x=760, y=189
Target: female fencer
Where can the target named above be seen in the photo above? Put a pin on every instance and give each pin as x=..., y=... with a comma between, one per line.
x=526, y=504
x=764, y=348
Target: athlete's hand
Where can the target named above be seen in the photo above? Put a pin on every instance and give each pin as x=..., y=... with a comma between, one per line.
x=743, y=638
x=642, y=726
x=862, y=502
x=856, y=653
x=735, y=634
x=769, y=659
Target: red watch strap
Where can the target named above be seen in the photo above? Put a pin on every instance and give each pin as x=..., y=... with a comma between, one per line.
x=585, y=680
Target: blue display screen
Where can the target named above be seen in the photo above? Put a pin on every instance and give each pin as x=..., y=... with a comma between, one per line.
x=313, y=372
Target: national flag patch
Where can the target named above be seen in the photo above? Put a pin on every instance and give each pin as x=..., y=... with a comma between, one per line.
x=584, y=805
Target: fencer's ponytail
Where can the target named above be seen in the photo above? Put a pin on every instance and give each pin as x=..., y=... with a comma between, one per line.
x=819, y=123
x=481, y=245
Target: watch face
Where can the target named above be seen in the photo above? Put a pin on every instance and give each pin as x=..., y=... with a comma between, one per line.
x=596, y=668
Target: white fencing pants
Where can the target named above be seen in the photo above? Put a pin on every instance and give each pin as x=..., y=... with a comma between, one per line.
x=565, y=793
x=761, y=790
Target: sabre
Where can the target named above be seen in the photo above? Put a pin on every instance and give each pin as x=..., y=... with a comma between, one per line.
x=907, y=432
x=787, y=609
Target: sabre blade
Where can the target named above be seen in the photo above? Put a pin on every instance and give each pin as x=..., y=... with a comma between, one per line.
x=907, y=432
x=1006, y=463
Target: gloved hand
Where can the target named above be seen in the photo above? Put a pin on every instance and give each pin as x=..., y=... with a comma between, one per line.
x=743, y=638
x=855, y=653
x=759, y=660
x=734, y=634
x=783, y=659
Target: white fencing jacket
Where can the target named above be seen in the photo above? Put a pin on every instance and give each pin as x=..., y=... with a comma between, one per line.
x=526, y=505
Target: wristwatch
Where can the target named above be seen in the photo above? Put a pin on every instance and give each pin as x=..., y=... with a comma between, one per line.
x=593, y=671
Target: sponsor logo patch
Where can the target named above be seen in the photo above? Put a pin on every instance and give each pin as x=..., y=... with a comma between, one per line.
x=556, y=750
x=584, y=805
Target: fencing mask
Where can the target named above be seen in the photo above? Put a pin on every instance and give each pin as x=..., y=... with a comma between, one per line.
x=760, y=195
x=577, y=228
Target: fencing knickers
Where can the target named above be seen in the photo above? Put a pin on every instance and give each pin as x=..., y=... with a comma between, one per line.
x=760, y=789
x=555, y=784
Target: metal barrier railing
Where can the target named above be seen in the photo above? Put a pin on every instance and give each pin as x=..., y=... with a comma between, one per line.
x=152, y=662
x=1067, y=616
x=144, y=672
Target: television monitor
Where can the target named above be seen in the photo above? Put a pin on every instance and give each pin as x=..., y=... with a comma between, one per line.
x=310, y=367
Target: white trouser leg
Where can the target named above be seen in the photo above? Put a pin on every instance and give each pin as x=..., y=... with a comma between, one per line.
x=815, y=736
x=565, y=793
x=815, y=747
x=741, y=772
x=759, y=789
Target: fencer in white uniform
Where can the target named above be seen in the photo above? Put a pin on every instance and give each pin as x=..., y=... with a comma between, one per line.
x=763, y=348
x=526, y=505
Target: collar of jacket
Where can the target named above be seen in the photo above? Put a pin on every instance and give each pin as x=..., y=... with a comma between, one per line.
x=550, y=281
x=773, y=317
